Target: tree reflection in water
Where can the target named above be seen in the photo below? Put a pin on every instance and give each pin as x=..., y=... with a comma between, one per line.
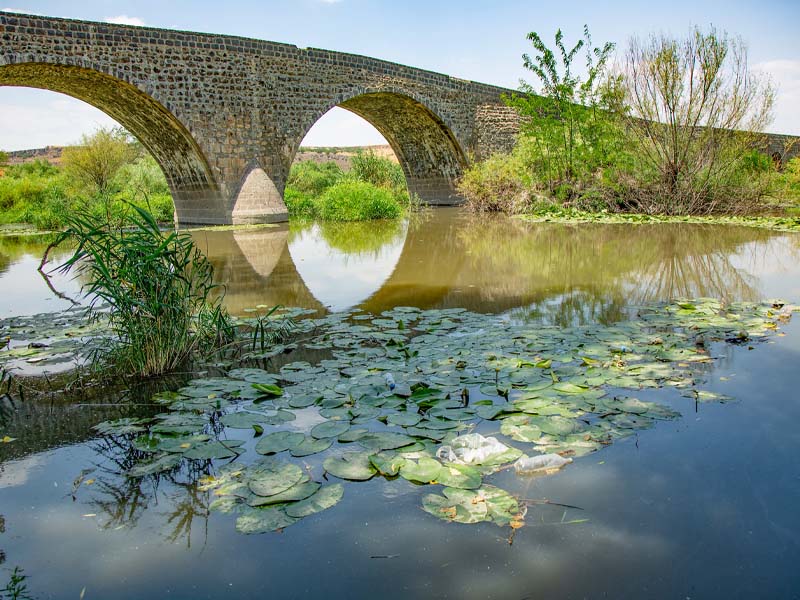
x=120, y=501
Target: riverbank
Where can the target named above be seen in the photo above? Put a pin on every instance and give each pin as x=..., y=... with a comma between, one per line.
x=560, y=214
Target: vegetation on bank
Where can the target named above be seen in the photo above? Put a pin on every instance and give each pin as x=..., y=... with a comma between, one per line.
x=373, y=188
x=552, y=212
x=106, y=175
x=667, y=131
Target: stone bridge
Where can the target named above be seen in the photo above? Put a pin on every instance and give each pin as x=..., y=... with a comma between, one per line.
x=224, y=116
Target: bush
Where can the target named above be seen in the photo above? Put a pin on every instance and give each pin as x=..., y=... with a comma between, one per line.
x=298, y=204
x=313, y=178
x=163, y=303
x=44, y=195
x=357, y=201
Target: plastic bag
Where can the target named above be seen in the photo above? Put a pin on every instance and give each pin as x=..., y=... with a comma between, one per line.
x=540, y=463
x=471, y=449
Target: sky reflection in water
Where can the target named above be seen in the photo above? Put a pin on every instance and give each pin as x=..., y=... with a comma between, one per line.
x=700, y=507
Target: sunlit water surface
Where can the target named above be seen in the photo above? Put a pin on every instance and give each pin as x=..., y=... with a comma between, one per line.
x=701, y=507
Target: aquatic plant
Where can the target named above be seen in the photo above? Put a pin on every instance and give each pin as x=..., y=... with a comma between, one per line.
x=159, y=289
x=405, y=387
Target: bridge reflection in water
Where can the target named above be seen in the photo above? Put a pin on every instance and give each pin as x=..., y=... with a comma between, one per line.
x=447, y=258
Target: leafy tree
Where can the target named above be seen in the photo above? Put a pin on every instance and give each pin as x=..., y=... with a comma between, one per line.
x=565, y=113
x=98, y=158
x=693, y=110
x=3, y=158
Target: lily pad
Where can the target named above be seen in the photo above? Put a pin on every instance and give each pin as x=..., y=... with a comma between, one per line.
x=299, y=491
x=329, y=429
x=355, y=466
x=387, y=463
x=279, y=441
x=271, y=476
x=384, y=440
x=310, y=446
x=426, y=470
x=263, y=520
x=323, y=499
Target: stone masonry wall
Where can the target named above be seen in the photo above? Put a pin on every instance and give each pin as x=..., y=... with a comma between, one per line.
x=224, y=116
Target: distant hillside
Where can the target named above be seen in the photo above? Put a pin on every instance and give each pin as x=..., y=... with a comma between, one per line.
x=340, y=155
x=51, y=154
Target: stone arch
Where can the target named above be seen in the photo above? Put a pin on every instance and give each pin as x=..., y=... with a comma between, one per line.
x=159, y=130
x=429, y=151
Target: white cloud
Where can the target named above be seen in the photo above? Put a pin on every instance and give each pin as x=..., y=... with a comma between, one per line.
x=785, y=74
x=24, y=11
x=31, y=118
x=125, y=20
x=330, y=1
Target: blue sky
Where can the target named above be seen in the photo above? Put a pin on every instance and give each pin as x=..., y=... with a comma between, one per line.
x=472, y=39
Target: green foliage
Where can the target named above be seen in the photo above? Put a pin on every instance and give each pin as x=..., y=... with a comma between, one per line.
x=44, y=195
x=377, y=170
x=96, y=161
x=319, y=190
x=357, y=201
x=313, y=178
x=787, y=182
x=3, y=158
x=671, y=132
x=565, y=116
x=164, y=306
x=502, y=183
x=16, y=589
x=693, y=109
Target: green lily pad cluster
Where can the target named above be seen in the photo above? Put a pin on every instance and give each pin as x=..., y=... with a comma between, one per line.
x=270, y=494
x=49, y=339
x=398, y=392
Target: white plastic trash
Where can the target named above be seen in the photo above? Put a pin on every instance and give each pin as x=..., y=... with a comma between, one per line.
x=540, y=463
x=471, y=449
x=390, y=381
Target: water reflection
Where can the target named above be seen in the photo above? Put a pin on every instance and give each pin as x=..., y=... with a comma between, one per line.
x=663, y=500
x=343, y=264
x=555, y=273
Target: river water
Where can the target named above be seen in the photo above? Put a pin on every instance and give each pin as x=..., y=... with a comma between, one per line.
x=701, y=507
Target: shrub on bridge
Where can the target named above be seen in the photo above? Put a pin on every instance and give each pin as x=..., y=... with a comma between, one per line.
x=357, y=201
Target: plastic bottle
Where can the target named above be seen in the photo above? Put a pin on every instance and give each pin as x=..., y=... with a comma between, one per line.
x=543, y=462
x=390, y=381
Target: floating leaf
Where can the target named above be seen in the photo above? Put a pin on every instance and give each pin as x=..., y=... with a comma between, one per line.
x=268, y=389
x=271, y=476
x=355, y=466
x=404, y=419
x=310, y=446
x=384, y=440
x=330, y=429
x=323, y=499
x=279, y=441
x=299, y=491
x=426, y=470
x=214, y=449
x=263, y=520
x=387, y=463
